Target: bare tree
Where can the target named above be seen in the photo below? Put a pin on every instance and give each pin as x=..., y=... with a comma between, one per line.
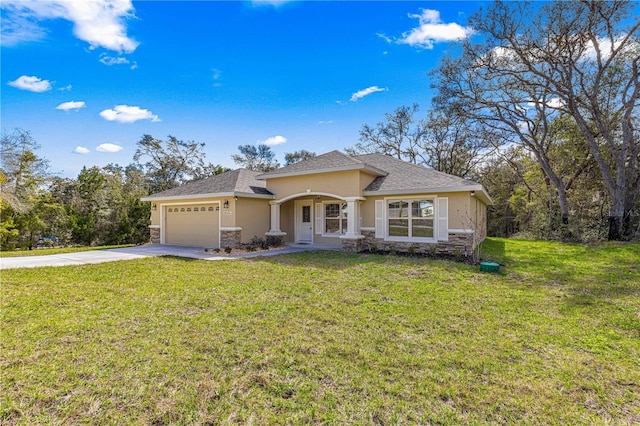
x=455, y=145
x=399, y=136
x=575, y=58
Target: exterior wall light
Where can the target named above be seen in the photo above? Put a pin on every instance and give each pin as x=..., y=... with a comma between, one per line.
x=473, y=193
x=154, y=207
x=226, y=204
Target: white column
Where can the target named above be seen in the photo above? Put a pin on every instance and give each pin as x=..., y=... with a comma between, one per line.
x=353, y=219
x=275, y=219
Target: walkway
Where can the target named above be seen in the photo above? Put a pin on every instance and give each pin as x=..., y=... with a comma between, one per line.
x=139, y=252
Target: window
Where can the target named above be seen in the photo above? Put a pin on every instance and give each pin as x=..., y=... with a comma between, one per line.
x=410, y=218
x=335, y=218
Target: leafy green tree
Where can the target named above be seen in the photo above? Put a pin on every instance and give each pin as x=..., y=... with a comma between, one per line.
x=297, y=156
x=208, y=170
x=260, y=158
x=86, y=206
x=169, y=163
x=24, y=181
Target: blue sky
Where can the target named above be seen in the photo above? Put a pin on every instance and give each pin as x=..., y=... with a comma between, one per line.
x=88, y=79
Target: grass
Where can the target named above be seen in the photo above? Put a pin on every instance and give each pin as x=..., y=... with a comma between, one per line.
x=57, y=250
x=326, y=338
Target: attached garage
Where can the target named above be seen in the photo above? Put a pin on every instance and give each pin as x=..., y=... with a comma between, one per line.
x=192, y=225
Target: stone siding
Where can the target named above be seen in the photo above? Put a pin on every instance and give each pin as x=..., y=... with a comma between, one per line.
x=230, y=239
x=459, y=244
x=354, y=245
x=155, y=235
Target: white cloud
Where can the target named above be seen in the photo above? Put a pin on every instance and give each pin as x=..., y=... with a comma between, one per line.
x=366, y=92
x=81, y=150
x=274, y=140
x=217, y=76
x=109, y=147
x=110, y=60
x=68, y=106
x=31, y=83
x=98, y=22
x=128, y=114
x=384, y=37
x=553, y=103
x=18, y=29
x=67, y=87
x=432, y=30
x=274, y=3
x=325, y=121
x=606, y=47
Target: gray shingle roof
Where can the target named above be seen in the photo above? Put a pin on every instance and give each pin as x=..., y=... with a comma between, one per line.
x=403, y=176
x=394, y=177
x=331, y=161
x=240, y=181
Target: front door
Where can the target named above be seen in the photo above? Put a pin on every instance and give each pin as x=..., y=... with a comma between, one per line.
x=304, y=226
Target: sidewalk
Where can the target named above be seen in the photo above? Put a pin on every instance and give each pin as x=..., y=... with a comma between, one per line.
x=140, y=252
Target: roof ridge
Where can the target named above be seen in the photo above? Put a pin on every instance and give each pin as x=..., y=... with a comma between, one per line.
x=352, y=157
x=419, y=166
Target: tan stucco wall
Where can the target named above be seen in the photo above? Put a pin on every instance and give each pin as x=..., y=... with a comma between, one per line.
x=253, y=216
x=287, y=219
x=365, y=179
x=460, y=211
x=344, y=184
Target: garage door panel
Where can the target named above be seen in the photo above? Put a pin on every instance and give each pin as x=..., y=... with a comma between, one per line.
x=192, y=225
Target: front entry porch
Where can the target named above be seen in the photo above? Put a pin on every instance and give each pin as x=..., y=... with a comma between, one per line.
x=317, y=218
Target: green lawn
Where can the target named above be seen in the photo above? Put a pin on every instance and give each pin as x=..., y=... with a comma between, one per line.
x=327, y=338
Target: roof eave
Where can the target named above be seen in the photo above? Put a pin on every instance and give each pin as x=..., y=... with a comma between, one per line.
x=366, y=167
x=480, y=192
x=210, y=195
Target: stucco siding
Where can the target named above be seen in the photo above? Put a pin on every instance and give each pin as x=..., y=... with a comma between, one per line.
x=253, y=216
x=287, y=220
x=344, y=184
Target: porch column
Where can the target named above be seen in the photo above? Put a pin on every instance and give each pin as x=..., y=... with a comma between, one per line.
x=352, y=240
x=275, y=220
x=353, y=219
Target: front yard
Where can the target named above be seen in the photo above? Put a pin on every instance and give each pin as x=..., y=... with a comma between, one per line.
x=327, y=337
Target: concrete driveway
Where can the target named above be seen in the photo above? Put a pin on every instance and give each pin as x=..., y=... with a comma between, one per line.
x=137, y=252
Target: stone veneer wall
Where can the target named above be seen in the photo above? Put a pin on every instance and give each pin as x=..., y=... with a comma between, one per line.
x=155, y=235
x=354, y=245
x=230, y=239
x=458, y=244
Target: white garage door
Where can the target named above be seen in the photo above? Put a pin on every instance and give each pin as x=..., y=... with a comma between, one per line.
x=192, y=225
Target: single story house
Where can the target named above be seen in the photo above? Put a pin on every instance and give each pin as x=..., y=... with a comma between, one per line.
x=360, y=202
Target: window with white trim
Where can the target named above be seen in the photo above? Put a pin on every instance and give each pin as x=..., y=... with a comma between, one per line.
x=411, y=218
x=335, y=218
